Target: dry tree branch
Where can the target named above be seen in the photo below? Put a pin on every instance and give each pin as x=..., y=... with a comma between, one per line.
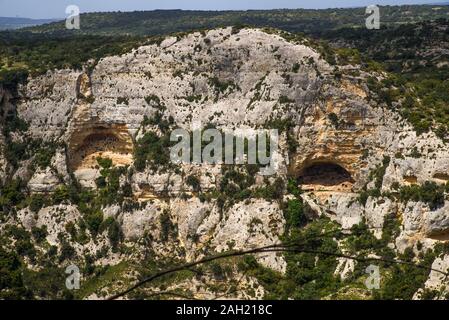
x=271, y=248
x=190, y=265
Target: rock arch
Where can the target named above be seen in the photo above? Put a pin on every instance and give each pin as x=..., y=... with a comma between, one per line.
x=90, y=142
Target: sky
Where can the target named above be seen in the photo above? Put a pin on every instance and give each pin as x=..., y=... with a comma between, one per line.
x=41, y=9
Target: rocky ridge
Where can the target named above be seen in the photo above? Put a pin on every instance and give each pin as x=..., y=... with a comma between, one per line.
x=232, y=79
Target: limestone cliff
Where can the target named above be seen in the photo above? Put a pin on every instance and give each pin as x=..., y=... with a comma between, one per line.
x=232, y=79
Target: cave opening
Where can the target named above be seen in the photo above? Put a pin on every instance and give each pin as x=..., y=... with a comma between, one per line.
x=100, y=142
x=324, y=176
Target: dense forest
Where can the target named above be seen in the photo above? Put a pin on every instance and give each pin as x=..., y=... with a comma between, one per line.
x=161, y=22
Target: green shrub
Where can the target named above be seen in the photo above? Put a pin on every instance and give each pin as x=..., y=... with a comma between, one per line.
x=405, y=280
x=39, y=234
x=362, y=239
x=221, y=86
x=167, y=226
x=391, y=228
x=152, y=149
x=365, y=194
x=10, y=78
x=122, y=100
x=272, y=191
x=71, y=229
x=44, y=155
x=114, y=230
x=155, y=101
x=11, y=281
x=127, y=190
x=11, y=194
x=114, y=233
x=61, y=194
x=294, y=214
x=217, y=271
x=101, y=182
x=194, y=182
x=105, y=163
x=430, y=193
x=296, y=67
x=23, y=245
x=67, y=251
x=36, y=202
x=377, y=175
x=93, y=221
x=293, y=188
x=16, y=152
x=285, y=100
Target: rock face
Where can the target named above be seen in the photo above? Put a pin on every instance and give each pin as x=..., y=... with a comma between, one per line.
x=244, y=79
x=43, y=181
x=437, y=279
x=47, y=103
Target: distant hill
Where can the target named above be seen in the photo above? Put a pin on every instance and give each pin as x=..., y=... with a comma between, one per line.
x=17, y=23
x=160, y=22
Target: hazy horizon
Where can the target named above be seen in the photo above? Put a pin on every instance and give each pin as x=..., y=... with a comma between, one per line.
x=55, y=9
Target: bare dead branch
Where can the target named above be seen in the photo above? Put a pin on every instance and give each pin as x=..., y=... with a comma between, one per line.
x=271, y=248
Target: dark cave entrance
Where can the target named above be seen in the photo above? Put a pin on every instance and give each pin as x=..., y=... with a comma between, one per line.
x=325, y=176
x=99, y=142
